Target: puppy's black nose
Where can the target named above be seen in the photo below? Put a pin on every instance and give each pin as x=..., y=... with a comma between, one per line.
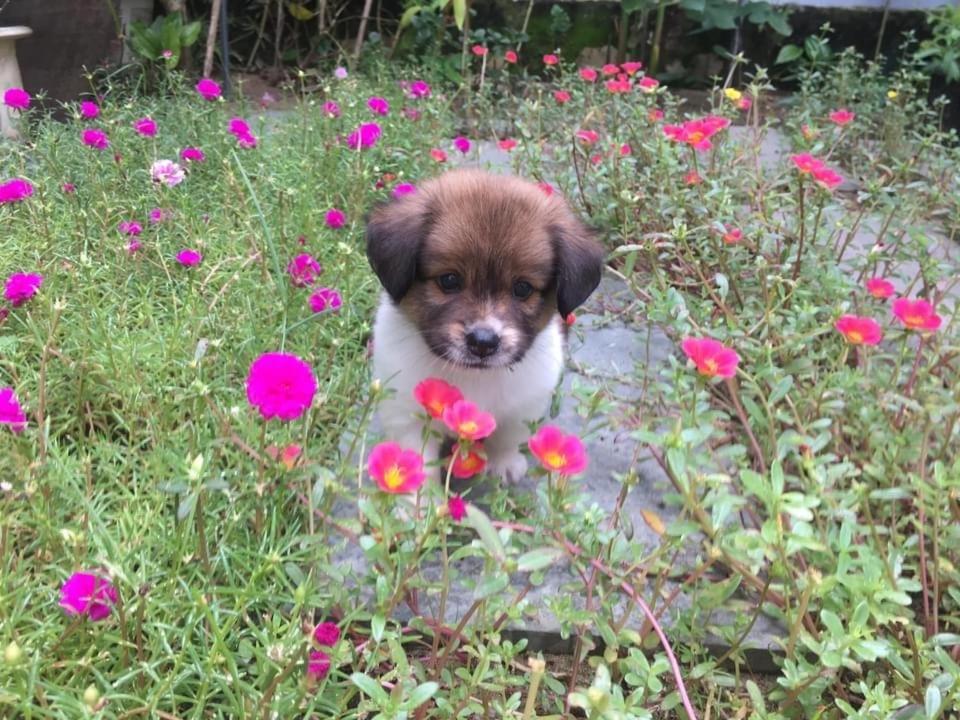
x=482, y=341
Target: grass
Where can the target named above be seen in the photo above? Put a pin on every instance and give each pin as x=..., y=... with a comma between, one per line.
x=818, y=486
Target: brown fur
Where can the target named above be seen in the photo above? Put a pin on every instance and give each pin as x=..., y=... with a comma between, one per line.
x=490, y=231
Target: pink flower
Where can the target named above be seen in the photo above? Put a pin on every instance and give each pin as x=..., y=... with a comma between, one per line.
x=335, y=219
x=21, y=287
x=692, y=178
x=97, y=139
x=11, y=413
x=732, y=235
x=479, y=50
x=557, y=451
x=649, y=85
x=808, y=132
x=208, y=89
x=130, y=227
x=436, y=396
x=610, y=69
x=419, y=89
x=88, y=594
x=916, y=314
x=438, y=155
x=325, y=299
x=806, y=163
x=697, y=133
x=859, y=330
x=880, y=288
x=188, y=257
x=631, y=68
x=404, y=189
x=462, y=144
x=842, y=117
x=318, y=665
x=618, y=86
x=411, y=114
x=655, y=115
x=588, y=74
x=16, y=98
x=625, y=150
x=157, y=215
x=561, y=96
x=133, y=246
x=546, y=188
x=167, y=172
x=468, y=421
x=69, y=188
x=550, y=60
x=378, y=106
x=280, y=386
x=89, y=110
x=711, y=357
x=507, y=144
x=239, y=128
x=340, y=73
x=588, y=137
x=744, y=103
x=326, y=634
x=145, y=126
x=827, y=178
x=456, y=508
x=331, y=109
x=364, y=136
x=192, y=154
x=469, y=463
x=395, y=469
x=510, y=56
x=15, y=190
x=304, y=270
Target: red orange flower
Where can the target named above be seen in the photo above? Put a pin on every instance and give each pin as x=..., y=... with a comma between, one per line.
x=692, y=178
x=510, y=56
x=827, y=178
x=806, y=163
x=436, y=395
x=468, y=421
x=557, y=451
x=880, y=288
x=438, y=155
x=550, y=59
x=712, y=358
x=916, y=314
x=697, y=133
x=396, y=470
x=479, y=50
x=469, y=464
x=507, y=144
x=733, y=235
x=859, y=330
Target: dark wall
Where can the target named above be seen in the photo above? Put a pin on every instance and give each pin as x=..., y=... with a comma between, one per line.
x=67, y=35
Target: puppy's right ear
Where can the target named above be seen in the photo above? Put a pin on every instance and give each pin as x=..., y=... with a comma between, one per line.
x=395, y=232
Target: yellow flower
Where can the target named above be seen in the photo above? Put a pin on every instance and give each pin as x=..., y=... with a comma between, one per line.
x=732, y=94
x=892, y=94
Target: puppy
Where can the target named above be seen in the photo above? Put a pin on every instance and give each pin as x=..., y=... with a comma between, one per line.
x=478, y=272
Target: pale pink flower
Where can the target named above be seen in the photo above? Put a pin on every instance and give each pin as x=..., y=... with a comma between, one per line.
x=167, y=172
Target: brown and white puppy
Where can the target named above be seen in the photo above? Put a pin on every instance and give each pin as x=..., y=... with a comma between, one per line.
x=479, y=271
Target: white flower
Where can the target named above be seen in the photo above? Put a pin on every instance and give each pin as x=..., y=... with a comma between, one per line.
x=167, y=172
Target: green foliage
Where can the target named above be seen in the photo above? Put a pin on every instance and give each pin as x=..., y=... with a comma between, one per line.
x=723, y=14
x=164, y=40
x=941, y=52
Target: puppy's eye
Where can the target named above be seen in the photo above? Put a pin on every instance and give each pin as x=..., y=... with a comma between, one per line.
x=522, y=289
x=449, y=282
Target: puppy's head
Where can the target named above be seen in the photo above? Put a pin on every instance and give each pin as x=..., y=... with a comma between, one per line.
x=481, y=263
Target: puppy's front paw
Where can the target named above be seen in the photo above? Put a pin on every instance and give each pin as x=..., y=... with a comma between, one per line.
x=511, y=467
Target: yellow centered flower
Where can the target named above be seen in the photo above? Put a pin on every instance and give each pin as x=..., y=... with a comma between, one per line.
x=733, y=94
x=855, y=337
x=468, y=427
x=393, y=477
x=711, y=366
x=555, y=459
x=892, y=94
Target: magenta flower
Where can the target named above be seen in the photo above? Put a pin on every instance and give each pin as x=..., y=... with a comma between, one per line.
x=880, y=288
x=711, y=357
x=89, y=110
x=325, y=299
x=318, y=665
x=859, y=330
x=16, y=98
x=208, y=89
x=88, y=594
x=146, y=126
x=167, y=172
x=331, y=109
x=395, y=469
x=462, y=144
x=916, y=314
x=157, y=215
x=15, y=190
x=97, y=139
x=192, y=154
x=335, y=219
x=419, y=89
x=842, y=117
x=326, y=634
x=11, y=413
x=130, y=227
x=558, y=452
x=241, y=131
x=457, y=508
x=188, y=257
x=404, y=189
x=378, y=106
x=133, y=246
x=68, y=188
x=468, y=421
x=364, y=136
x=21, y=287
x=304, y=270
x=827, y=178
x=280, y=386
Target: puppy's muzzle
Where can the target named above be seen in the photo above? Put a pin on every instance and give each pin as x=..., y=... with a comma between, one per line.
x=482, y=341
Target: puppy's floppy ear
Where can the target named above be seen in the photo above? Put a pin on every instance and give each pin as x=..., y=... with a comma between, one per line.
x=395, y=232
x=579, y=262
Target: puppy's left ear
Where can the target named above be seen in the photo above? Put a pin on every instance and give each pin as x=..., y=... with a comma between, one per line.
x=579, y=263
